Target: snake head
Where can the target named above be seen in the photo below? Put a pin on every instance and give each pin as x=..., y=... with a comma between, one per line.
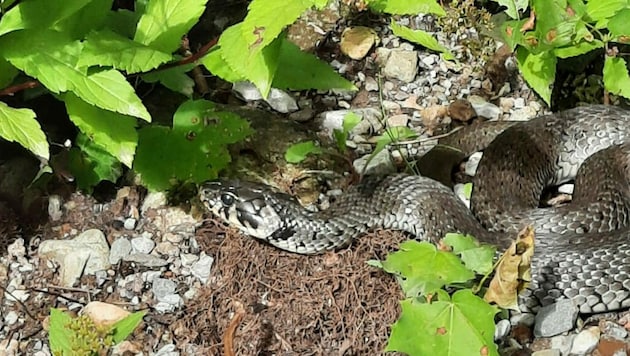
x=243, y=205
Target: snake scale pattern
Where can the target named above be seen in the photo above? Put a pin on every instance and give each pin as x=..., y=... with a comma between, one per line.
x=582, y=248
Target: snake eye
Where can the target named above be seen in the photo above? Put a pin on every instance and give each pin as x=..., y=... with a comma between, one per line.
x=227, y=199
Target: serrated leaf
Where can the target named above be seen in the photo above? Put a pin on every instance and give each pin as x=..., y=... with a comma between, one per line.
x=91, y=164
x=59, y=335
x=424, y=269
x=618, y=24
x=297, y=153
x=106, y=48
x=476, y=257
x=215, y=64
x=114, y=132
x=174, y=78
x=266, y=19
x=513, y=7
x=422, y=38
x=91, y=16
x=407, y=7
x=165, y=22
x=259, y=68
x=123, y=328
x=52, y=58
x=601, y=10
x=462, y=326
x=616, y=78
x=578, y=49
x=39, y=14
x=298, y=70
x=110, y=90
x=123, y=22
x=201, y=133
x=539, y=70
x=19, y=125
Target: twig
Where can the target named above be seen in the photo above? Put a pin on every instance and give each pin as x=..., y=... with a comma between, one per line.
x=228, y=336
x=19, y=87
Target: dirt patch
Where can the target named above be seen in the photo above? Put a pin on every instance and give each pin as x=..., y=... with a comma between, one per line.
x=331, y=304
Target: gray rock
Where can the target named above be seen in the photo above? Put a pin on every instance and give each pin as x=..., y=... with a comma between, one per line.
x=502, y=329
x=562, y=343
x=85, y=254
x=484, y=108
x=121, y=247
x=523, y=114
x=142, y=244
x=145, y=260
x=380, y=164
x=370, y=84
x=167, y=350
x=201, y=269
x=11, y=318
x=277, y=99
x=401, y=65
x=527, y=319
x=519, y=103
x=130, y=223
x=555, y=318
x=153, y=200
x=614, y=330
x=333, y=120
x=54, y=207
x=162, y=287
x=585, y=341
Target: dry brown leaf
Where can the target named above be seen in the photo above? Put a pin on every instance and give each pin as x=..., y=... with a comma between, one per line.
x=461, y=110
x=357, y=41
x=529, y=24
x=513, y=271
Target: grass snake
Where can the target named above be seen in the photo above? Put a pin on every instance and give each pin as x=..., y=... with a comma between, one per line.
x=582, y=248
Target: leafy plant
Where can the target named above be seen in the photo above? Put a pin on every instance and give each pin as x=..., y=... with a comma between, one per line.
x=568, y=28
x=422, y=38
x=80, y=336
x=460, y=324
x=297, y=153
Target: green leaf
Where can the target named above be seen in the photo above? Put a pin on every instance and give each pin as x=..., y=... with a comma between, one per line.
x=165, y=22
x=59, y=336
x=90, y=17
x=7, y=73
x=513, y=7
x=110, y=90
x=52, y=58
x=123, y=22
x=468, y=190
x=266, y=19
x=106, y=48
x=578, y=49
x=424, y=269
x=174, y=78
x=477, y=257
x=297, y=153
x=422, y=38
x=616, y=78
x=601, y=10
x=115, y=133
x=619, y=24
x=461, y=326
x=19, y=125
x=39, y=14
x=259, y=68
x=407, y=7
x=90, y=164
x=201, y=133
x=123, y=328
x=298, y=70
x=539, y=70
x=215, y=64
x=350, y=121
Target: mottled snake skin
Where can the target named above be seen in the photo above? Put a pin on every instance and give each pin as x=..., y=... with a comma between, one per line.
x=582, y=248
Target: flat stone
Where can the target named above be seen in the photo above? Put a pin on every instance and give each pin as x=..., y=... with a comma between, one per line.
x=484, y=108
x=585, y=341
x=202, y=268
x=380, y=164
x=85, y=254
x=121, y=247
x=145, y=260
x=142, y=244
x=162, y=287
x=401, y=65
x=555, y=318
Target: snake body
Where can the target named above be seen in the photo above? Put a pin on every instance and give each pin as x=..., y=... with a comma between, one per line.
x=582, y=248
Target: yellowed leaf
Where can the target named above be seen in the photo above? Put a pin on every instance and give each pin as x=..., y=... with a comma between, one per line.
x=513, y=271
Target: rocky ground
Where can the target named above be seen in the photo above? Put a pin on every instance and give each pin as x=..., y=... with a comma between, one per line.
x=208, y=289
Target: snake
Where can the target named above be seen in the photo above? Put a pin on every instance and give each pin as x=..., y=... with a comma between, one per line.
x=582, y=249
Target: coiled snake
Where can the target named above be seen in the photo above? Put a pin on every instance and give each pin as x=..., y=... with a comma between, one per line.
x=582, y=248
